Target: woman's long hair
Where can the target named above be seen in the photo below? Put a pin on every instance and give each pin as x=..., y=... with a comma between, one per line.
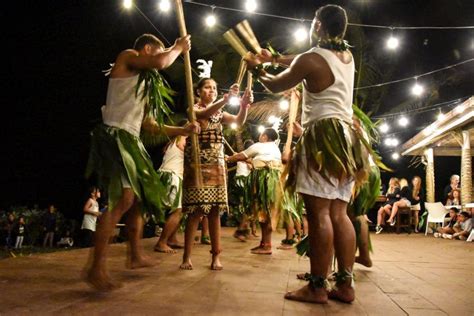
x=392, y=185
x=416, y=189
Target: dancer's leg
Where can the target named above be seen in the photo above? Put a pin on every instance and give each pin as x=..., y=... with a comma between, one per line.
x=170, y=229
x=320, y=236
x=345, y=247
x=191, y=228
x=97, y=273
x=215, y=232
x=363, y=243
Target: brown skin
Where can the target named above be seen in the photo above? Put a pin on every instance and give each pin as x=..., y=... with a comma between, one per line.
x=208, y=95
x=329, y=225
x=129, y=63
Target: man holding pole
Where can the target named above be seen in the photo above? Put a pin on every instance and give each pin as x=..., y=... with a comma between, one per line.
x=118, y=156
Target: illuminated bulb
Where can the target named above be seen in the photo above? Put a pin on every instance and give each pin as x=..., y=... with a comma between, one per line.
x=234, y=101
x=395, y=142
x=388, y=142
x=284, y=105
x=417, y=89
x=440, y=116
x=392, y=42
x=233, y=125
x=403, y=121
x=251, y=5
x=211, y=20
x=301, y=34
x=384, y=128
x=272, y=119
x=165, y=5
x=459, y=109
x=261, y=129
x=395, y=156
x=127, y=4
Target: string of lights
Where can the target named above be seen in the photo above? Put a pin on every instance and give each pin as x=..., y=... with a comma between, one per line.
x=251, y=7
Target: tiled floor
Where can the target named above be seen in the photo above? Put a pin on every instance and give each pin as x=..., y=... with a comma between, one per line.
x=412, y=274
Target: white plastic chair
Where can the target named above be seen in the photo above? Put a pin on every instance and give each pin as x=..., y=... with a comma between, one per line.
x=436, y=214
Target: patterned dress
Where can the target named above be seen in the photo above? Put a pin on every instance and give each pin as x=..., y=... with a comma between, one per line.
x=213, y=192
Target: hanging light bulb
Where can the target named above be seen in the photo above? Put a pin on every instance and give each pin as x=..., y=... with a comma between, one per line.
x=284, y=104
x=211, y=20
x=417, y=89
x=301, y=34
x=261, y=129
x=460, y=108
x=395, y=156
x=251, y=5
x=234, y=100
x=272, y=119
x=165, y=5
x=392, y=43
x=395, y=142
x=403, y=121
x=233, y=125
x=440, y=116
x=384, y=127
x=127, y=4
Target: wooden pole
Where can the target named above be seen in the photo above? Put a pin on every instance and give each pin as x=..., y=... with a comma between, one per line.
x=466, y=169
x=430, y=176
x=241, y=72
x=234, y=41
x=248, y=35
x=190, y=95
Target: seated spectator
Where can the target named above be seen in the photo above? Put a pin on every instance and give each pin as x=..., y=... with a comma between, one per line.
x=66, y=241
x=448, y=228
x=453, y=185
x=392, y=196
x=462, y=228
x=454, y=198
x=408, y=196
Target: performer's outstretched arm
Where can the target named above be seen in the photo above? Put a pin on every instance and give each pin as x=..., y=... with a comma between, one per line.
x=266, y=57
x=288, y=78
x=152, y=127
x=241, y=117
x=161, y=60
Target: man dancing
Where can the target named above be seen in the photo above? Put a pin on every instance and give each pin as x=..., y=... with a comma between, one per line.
x=330, y=157
x=118, y=156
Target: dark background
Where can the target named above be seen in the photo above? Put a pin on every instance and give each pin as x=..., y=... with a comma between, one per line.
x=54, y=52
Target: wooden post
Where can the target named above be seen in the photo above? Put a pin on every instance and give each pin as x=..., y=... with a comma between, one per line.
x=466, y=169
x=430, y=176
x=190, y=95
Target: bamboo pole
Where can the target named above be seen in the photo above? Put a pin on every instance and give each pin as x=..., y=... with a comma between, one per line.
x=190, y=96
x=249, y=80
x=248, y=35
x=234, y=41
x=241, y=72
x=430, y=176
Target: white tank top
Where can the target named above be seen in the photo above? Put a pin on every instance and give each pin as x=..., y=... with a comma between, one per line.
x=89, y=221
x=334, y=101
x=173, y=161
x=123, y=109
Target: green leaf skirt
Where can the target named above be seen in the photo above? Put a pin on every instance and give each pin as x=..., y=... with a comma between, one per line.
x=114, y=154
x=266, y=189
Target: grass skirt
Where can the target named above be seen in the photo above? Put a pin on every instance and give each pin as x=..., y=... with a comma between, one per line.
x=266, y=188
x=114, y=154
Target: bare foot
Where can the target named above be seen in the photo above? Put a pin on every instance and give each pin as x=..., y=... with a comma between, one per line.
x=254, y=234
x=308, y=294
x=186, y=265
x=301, y=276
x=262, y=251
x=176, y=245
x=344, y=293
x=164, y=248
x=238, y=235
x=101, y=281
x=216, y=264
x=364, y=261
x=285, y=247
x=138, y=263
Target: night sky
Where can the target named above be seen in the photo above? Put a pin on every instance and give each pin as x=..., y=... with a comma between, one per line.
x=54, y=88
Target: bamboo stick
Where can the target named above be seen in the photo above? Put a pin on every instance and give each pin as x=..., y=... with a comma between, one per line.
x=234, y=41
x=248, y=35
x=241, y=72
x=249, y=80
x=190, y=96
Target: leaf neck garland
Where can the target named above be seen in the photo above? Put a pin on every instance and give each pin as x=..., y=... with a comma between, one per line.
x=336, y=43
x=157, y=93
x=153, y=88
